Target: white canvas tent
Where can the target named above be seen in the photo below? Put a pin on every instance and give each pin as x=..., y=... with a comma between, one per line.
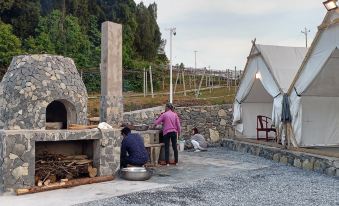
x=268, y=74
x=314, y=94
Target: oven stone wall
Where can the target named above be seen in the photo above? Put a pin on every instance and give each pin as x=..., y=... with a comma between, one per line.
x=34, y=81
x=17, y=152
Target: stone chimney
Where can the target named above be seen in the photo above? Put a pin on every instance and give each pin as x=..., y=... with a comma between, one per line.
x=111, y=100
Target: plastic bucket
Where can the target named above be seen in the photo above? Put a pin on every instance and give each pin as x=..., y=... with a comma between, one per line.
x=181, y=146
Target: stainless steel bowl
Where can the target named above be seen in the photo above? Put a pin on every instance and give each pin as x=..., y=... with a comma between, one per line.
x=135, y=173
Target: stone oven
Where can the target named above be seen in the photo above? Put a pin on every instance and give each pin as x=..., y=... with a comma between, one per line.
x=39, y=93
x=40, y=89
x=40, y=96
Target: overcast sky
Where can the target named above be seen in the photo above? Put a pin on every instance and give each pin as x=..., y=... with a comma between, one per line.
x=221, y=30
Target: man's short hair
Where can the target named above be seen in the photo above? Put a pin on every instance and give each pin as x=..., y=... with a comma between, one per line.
x=125, y=131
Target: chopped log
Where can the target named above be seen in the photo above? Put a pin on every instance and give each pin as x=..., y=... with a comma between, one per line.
x=67, y=184
x=92, y=171
x=22, y=191
x=70, y=164
x=82, y=162
x=46, y=183
x=60, y=166
x=79, y=126
x=63, y=180
x=75, y=157
x=36, y=180
x=53, y=178
x=39, y=183
x=69, y=177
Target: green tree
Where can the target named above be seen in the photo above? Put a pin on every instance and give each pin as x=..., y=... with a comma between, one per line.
x=148, y=36
x=41, y=44
x=6, y=4
x=72, y=28
x=22, y=15
x=123, y=12
x=10, y=45
x=94, y=36
x=69, y=41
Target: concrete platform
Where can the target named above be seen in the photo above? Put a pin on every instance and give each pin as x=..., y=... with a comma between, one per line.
x=192, y=166
x=216, y=177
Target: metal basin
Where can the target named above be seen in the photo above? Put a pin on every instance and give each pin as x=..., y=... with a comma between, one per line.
x=140, y=127
x=135, y=174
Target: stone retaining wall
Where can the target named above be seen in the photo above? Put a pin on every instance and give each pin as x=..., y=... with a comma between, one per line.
x=213, y=122
x=306, y=161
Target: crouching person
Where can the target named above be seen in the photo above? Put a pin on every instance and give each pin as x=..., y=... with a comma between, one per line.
x=198, y=141
x=133, y=151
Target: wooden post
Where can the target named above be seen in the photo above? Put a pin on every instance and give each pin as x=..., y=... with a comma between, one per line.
x=195, y=82
x=151, y=80
x=207, y=81
x=226, y=82
x=202, y=77
x=229, y=80
x=146, y=91
x=213, y=80
x=183, y=81
x=219, y=78
x=235, y=79
x=176, y=82
x=190, y=79
x=163, y=80
x=144, y=82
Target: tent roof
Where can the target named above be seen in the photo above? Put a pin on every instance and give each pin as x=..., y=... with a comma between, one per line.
x=283, y=62
x=330, y=19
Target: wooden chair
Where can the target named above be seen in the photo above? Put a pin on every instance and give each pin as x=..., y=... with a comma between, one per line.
x=264, y=124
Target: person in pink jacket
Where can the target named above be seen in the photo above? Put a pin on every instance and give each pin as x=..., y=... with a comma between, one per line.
x=171, y=130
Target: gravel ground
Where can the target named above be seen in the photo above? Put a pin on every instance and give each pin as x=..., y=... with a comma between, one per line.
x=274, y=184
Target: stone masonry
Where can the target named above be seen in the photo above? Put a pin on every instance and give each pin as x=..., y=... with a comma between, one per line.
x=213, y=122
x=34, y=81
x=17, y=153
x=302, y=160
x=111, y=100
x=30, y=85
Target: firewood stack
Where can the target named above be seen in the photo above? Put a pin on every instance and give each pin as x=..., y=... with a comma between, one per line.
x=50, y=168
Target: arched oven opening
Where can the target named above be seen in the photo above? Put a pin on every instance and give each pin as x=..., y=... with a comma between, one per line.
x=56, y=115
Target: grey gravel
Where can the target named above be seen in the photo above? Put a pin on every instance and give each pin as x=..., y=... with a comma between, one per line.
x=275, y=184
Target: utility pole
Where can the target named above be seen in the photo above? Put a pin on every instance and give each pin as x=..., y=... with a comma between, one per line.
x=172, y=32
x=305, y=32
x=195, y=59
